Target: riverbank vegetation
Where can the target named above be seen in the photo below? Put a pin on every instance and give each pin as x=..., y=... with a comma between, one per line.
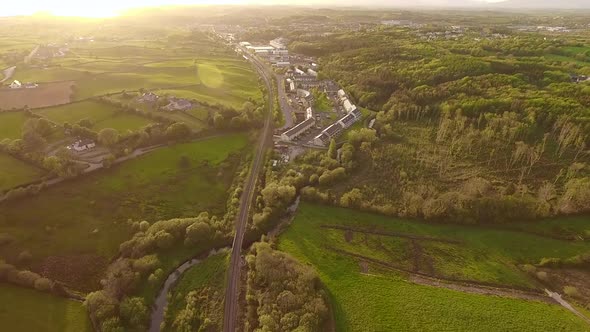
x=196, y=301
x=282, y=294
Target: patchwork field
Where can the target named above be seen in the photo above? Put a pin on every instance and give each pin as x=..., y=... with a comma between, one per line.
x=11, y=124
x=47, y=94
x=328, y=238
x=101, y=115
x=206, y=278
x=78, y=226
x=223, y=79
x=14, y=172
x=28, y=310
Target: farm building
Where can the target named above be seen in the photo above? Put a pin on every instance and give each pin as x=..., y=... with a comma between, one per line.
x=178, y=104
x=16, y=85
x=148, y=97
x=82, y=145
x=299, y=129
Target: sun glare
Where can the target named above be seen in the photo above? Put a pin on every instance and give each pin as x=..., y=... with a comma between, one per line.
x=100, y=9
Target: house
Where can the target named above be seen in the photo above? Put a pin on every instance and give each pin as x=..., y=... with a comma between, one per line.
x=347, y=121
x=308, y=113
x=327, y=134
x=178, y=104
x=348, y=106
x=16, y=85
x=82, y=145
x=299, y=129
x=148, y=97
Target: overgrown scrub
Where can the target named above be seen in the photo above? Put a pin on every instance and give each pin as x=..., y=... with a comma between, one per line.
x=282, y=294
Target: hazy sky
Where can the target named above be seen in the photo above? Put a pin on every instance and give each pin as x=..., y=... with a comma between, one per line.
x=102, y=8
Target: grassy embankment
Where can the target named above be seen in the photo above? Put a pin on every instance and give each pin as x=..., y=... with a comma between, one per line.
x=481, y=255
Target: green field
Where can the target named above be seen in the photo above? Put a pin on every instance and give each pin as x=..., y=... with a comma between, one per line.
x=224, y=80
x=484, y=255
x=11, y=124
x=102, y=116
x=88, y=216
x=14, y=172
x=28, y=310
x=207, y=276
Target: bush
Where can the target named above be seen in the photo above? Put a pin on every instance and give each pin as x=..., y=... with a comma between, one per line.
x=530, y=269
x=571, y=291
x=43, y=284
x=542, y=275
x=25, y=257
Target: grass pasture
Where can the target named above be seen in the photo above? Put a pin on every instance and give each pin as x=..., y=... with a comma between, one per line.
x=206, y=277
x=11, y=124
x=24, y=309
x=79, y=225
x=101, y=115
x=483, y=255
x=14, y=172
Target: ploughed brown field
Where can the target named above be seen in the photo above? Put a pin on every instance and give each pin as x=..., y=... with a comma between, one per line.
x=46, y=94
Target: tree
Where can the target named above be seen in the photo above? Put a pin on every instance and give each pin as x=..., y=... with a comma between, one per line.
x=134, y=312
x=178, y=131
x=332, y=149
x=352, y=198
x=108, y=137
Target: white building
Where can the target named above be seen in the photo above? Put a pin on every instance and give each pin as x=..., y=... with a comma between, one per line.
x=308, y=113
x=16, y=85
x=341, y=94
x=348, y=106
x=299, y=129
x=312, y=72
x=279, y=43
x=82, y=145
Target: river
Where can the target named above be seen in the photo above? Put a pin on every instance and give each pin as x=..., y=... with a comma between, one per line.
x=159, y=307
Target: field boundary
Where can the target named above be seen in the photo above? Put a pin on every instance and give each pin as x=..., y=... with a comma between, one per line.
x=440, y=279
x=392, y=234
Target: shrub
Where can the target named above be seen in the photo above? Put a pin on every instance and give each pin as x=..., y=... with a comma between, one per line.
x=25, y=257
x=542, y=275
x=43, y=284
x=530, y=269
x=571, y=291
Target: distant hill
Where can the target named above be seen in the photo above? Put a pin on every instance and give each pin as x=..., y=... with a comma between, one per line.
x=543, y=4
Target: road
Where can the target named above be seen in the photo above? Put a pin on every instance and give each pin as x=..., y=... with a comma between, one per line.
x=8, y=72
x=233, y=281
x=285, y=107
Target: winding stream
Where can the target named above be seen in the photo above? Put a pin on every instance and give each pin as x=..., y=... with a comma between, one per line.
x=157, y=316
x=159, y=306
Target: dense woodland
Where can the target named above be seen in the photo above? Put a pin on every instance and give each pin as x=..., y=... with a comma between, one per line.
x=471, y=126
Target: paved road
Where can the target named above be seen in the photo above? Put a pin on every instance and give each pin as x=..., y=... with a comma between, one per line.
x=285, y=107
x=233, y=281
x=8, y=72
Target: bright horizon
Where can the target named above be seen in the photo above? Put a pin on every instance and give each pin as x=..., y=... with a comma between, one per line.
x=112, y=8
